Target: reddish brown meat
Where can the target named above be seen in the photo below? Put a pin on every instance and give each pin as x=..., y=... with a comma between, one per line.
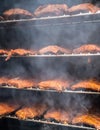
x=6, y=108
x=87, y=84
x=3, y=81
x=56, y=84
x=31, y=111
x=16, y=13
x=84, y=7
x=3, y=52
x=89, y=48
x=58, y=115
x=1, y=18
x=22, y=83
x=54, y=50
x=51, y=10
x=19, y=52
x=88, y=119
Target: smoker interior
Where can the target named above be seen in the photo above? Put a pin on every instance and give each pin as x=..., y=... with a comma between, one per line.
x=70, y=36
x=66, y=32
x=41, y=67
x=40, y=35
x=63, y=100
x=32, y=5
x=37, y=66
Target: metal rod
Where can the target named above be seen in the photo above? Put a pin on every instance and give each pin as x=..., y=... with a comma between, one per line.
x=56, y=20
x=51, y=123
x=54, y=91
x=49, y=17
x=58, y=55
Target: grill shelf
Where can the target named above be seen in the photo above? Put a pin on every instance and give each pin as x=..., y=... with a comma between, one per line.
x=56, y=20
x=61, y=55
x=54, y=91
x=50, y=123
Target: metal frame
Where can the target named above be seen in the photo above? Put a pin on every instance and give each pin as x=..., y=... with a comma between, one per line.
x=50, y=123
x=54, y=91
x=58, y=55
x=56, y=20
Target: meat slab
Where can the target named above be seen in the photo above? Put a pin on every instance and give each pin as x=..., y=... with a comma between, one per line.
x=56, y=84
x=51, y=10
x=58, y=115
x=85, y=7
x=87, y=84
x=31, y=111
x=19, y=52
x=88, y=48
x=22, y=83
x=54, y=49
x=7, y=108
x=89, y=119
x=16, y=13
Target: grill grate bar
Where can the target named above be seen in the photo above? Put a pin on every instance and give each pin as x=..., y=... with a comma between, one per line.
x=56, y=20
x=54, y=91
x=50, y=123
x=49, y=17
x=58, y=55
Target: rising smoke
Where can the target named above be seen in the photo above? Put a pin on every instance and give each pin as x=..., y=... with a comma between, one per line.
x=36, y=37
